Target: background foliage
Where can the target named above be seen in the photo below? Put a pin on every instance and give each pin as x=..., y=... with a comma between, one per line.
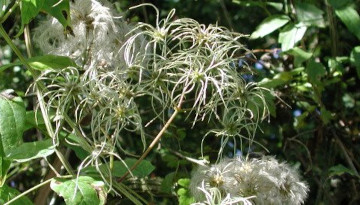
x=308, y=52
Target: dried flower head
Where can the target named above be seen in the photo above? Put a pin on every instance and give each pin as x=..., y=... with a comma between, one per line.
x=97, y=35
x=265, y=179
x=98, y=87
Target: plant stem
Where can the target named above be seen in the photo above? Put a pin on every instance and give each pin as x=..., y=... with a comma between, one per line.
x=226, y=14
x=333, y=31
x=126, y=192
x=64, y=162
x=81, y=140
x=17, y=51
x=28, y=41
x=157, y=138
x=346, y=155
x=33, y=188
x=3, y=19
x=152, y=145
x=38, y=86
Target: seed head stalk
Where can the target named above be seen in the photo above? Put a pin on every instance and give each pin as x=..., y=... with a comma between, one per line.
x=177, y=109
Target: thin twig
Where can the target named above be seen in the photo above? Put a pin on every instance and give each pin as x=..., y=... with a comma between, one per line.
x=156, y=139
x=201, y=162
x=3, y=19
x=43, y=193
x=152, y=145
x=28, y=41
x=346, y=155
x=333, y=31
x=227, y=15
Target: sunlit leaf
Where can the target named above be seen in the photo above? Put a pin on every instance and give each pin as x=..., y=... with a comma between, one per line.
x=61, y=11
x=34, y=150
x=142, y=170
x=350, y=17
x=269, y=25
x=348, y=100
x=44, y=62
x=339, y=170
x=299, y=54
x=29, y=9
x=184, y=195
x=309, y=14
x=12, y=124
x=83, y=190
x=4, y=167
x=278, y=80
x=290, y=35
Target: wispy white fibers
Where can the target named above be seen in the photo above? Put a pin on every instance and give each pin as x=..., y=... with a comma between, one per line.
x=98, y=84
x=97, y=37
x=268, y=181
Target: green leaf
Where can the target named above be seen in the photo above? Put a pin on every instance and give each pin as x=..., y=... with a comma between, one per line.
x=168, y=183
x=278, y=80
x=81, y=191
x=61, y=11
x=278, y=6
x=348, y=101
x=350, y=17
x=309, y=14
x=282, y=78
x=269, y=25
x=335, y=67
x=172, y=161
x=45, y=62
x=299, y=54
x=339, y=4
x=12, y=124
x=74, y=145
x=355, y=59
x=339, y=170
x=4, y=167
x=142, y=170
x=256, y=104
x=315, y=71
x=119, y=169
x=184, y=195
x=290, y=35
x=29, y=9
x=51, y=62
x=33, y=120
x=325, y=115
x=7, y=193
x=34, y=150
x=181, y=133
x=184, y=182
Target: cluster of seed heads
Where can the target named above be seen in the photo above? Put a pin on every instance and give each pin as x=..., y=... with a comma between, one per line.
x=176, y=64
x=255, y=181
x=96, y=93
